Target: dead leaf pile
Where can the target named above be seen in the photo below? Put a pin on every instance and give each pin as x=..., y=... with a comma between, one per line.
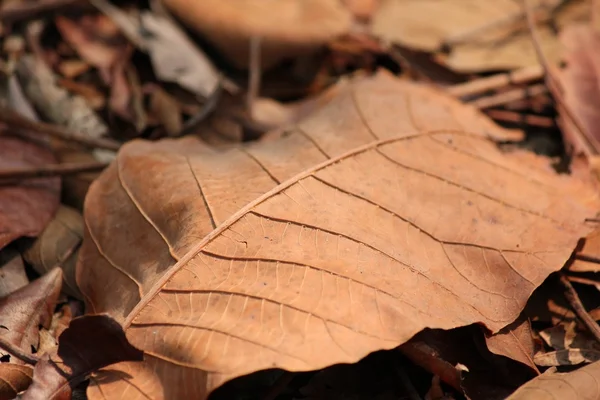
x=358, y=199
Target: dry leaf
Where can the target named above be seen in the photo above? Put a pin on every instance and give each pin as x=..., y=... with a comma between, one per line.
x=12, y=271
x=579, y=82
x=174, y=56
x=583, y=383
x=165, y=108
x=25, y=207
x=572, y=346
x=514, y=341
x=357, y=250
x=24, y=311
x=58, y=246
x=287, y=28
x=480, y=35
x=14, y=379
x=75, y=187
x=88, y=344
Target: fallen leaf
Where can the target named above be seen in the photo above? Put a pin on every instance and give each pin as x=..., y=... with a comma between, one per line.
x=571, y=346
x=58, y=246
x=309, y=250
x=30, y=307
x=514, y=341
x=287, y=28
x=89, y=343
x=97, y=40
x=12, y=271
x=14, y=379
x=583, y=383
x=174, y=56
x=75, y=187
x=26, y=207
x=579, y=83
x=479, y=35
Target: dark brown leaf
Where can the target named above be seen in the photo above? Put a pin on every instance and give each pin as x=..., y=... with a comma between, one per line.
x=89, y=343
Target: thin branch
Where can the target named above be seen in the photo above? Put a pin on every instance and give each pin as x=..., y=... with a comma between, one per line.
x=482, y=85
x=13, y=350
x=575, y=303
x=520, y=118
x=12, y=118
x=509, y=96
x=18, y=174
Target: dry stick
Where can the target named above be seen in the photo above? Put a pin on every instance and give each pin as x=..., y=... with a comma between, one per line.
x=575, y=302
x=527, y=119
x=30, y=359
x=10, y=117
x=509, y=96
x=50, y=170
x=587, y=141
x=482, y=85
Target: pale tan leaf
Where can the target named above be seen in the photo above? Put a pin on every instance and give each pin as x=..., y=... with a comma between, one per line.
x=583, y=383
x=387, y=211
x=480, y=35
x=566, y=357
x=12, y=271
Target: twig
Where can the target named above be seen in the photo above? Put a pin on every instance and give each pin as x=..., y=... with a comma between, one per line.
x=279, y=385
x=25, y=10
x=509, y=96
x=30, y=359
x=527, y=119
x=254, y=73
x=10, y=117
x=575, y=303
x=482, y=85
x=50, y=170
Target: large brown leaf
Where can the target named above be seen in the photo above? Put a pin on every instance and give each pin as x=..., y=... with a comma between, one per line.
x=387, y=211
x=583, y=383
x=26, y=207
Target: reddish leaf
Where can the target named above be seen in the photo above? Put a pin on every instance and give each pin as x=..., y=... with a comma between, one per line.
x=26, y=207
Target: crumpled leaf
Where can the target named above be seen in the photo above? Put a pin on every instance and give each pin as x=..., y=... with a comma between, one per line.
x=14, y=379
x=89, y=343
x=479, y=35
x=12, y=271
x=287, y=28
x=174, y=56
x=572, y=347
x=58, y=245
x=26, y=207
x=340, y=238
x=24, y=311
x=583, y=383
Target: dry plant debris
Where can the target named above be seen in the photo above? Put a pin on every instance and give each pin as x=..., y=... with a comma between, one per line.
x=340, y=199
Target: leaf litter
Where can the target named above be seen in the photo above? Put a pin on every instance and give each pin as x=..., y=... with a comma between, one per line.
x=298, y=201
